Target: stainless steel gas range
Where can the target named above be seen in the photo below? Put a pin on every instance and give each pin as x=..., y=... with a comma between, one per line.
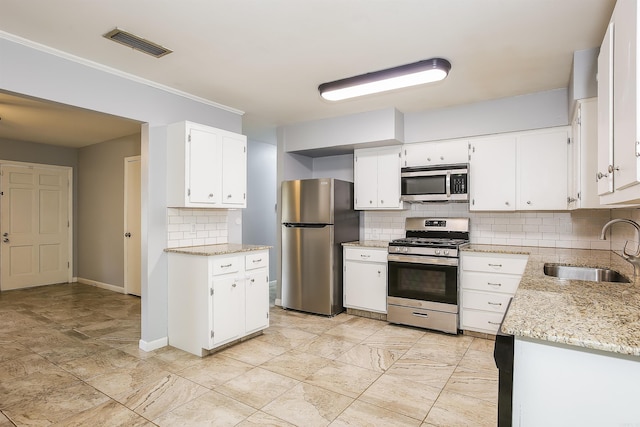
x=423, y=273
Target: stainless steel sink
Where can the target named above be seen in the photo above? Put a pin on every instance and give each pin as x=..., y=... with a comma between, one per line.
x=590, y=274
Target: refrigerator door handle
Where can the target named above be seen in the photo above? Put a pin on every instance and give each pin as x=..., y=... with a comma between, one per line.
x=293, y=225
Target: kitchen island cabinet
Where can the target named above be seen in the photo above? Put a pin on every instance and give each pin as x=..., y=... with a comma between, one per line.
x=577, y=347
x=217, y=294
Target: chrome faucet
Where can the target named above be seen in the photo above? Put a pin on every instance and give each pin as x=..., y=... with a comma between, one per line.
x=633, y=258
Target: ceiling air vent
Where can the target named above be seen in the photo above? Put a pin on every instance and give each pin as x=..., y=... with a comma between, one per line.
x=137, y=43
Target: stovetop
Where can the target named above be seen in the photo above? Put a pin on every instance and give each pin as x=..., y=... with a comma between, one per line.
x=429, y=242
x=432, y=237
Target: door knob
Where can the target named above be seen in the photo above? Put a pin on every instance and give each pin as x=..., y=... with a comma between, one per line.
x=127, y=234
x=5, y=240
x=5, y=234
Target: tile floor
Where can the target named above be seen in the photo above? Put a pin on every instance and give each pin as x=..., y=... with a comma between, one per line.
x=69, y=356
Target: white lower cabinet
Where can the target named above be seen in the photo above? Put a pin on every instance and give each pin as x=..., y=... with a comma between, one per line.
x=365, y=278
x=215, y=300
x=487, y=282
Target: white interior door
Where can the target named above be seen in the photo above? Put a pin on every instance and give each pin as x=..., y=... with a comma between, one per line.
x=34, y=221
x=132, y=217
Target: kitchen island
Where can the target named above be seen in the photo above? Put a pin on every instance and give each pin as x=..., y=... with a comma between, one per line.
x=218, y=294
x=577, y=343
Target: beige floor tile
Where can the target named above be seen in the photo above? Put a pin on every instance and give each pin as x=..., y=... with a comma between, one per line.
x=120, y=383
x=424, y=371
x=478, y=383
x=296, y=364
x=54, y=405
x=343, y=378
x=99, y=363
x=431, y=337
x=263, y=420
x=450, y=353
x=475, y=359
x=328, y=346
x=394, y=337
x=4, y=421
x=32, y=386
x=402, y=396
x=211, y=409
x=163, y=395
x=482, y=344
x=12, y=350
x=257, y=387
x=175, y=359
x=309, y=406
x=452, y=409
x=215, y=370
x=111, y=412
x=286, y=337
x=25, y=365
x=364, y=414
x=253, y=352
x=365, y=356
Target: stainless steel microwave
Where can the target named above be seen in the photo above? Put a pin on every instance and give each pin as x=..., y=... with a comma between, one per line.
x=449, y=183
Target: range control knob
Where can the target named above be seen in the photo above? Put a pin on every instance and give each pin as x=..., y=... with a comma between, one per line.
x=437, y=251
x=446, y=252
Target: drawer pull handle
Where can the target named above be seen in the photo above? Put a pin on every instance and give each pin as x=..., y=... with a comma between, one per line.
x=365, y=256
x=493, y=323
x=420, y=314
x=495, y=265
x=226, y=266
x=494, y=303
x=494, y=284
x=257, y=260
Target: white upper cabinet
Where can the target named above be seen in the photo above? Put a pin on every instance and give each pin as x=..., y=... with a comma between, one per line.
x=519, y=171
x=206, y=167
x=377, y=178
x=492, y=172
x=435, y=153
x=542, y=170
x=583, y=157
x=618, y=136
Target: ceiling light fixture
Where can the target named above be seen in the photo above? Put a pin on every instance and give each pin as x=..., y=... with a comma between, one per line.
x=427, y=71
x=137, y=43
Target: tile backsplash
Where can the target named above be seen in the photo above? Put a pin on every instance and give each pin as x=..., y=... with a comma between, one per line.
x=576, y=229
x=194, y=227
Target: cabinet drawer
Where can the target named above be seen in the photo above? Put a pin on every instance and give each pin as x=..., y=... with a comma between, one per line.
x=514, y=264
x=488, y=282
x=257, y=260
x=226, y=265
x=481, y=321
x=366, y=254
x=493, y=302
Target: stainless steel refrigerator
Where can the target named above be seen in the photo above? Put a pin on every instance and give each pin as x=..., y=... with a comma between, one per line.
x=317, y=217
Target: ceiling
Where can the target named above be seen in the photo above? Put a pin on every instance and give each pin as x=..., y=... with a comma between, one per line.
x=267, y=58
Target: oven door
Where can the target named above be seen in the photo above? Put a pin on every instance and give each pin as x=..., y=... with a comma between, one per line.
x=423, y=278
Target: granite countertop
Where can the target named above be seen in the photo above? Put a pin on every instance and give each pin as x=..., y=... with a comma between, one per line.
x=368, y=243
x=219, y=249
x=601, y=316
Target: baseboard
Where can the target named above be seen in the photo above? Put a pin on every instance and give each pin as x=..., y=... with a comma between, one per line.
x=101, y=285
x=153, y=345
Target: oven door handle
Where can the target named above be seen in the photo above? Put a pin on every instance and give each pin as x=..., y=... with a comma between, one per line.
x=433, y=260
x=448, y=184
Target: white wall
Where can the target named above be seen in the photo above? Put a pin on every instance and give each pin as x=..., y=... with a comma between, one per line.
x=33, y=70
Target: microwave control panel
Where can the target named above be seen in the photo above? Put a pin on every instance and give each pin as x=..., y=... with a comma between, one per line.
x=459, y=184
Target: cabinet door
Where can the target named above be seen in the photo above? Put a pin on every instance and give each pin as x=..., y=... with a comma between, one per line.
x=234, y=170
x=542, y=171
x=366, y=179
x=228, y=310
x=205, y=154
x=573, y=163
x=492, y=171
x=257, y=301
x=605, y=114
x=435, y=153
x=365, y=286
x=389, y=178
x=625, y=107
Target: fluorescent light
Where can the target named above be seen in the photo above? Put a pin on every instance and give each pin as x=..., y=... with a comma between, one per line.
x=427, y=71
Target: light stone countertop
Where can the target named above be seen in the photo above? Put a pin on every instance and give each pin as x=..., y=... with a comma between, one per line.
x=219, y=249
x=368, y=243
x=601, y=316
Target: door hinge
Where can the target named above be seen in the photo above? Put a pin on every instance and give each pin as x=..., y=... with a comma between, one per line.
x=579, y=198
x=244, y=149
x=267, y=314
x=1, y=193
x=212, y=334
x=67, y=223
x=400, y=155
x=189, y=137
x=473, y=201
x=568, y=140
x=211, y=291
x=244, y=196
x=188, y=191
x=68, y=264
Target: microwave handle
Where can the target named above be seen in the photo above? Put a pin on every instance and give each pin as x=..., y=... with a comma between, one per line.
x=448, y=184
